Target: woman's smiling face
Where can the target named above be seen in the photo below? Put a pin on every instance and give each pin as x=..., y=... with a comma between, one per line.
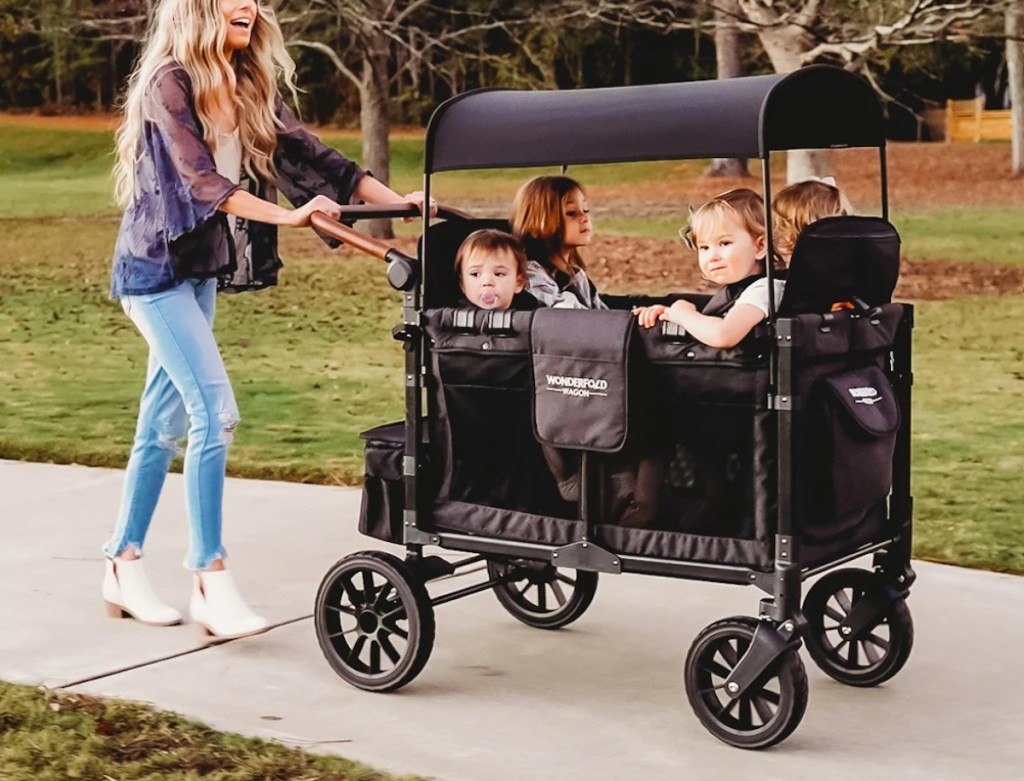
x=239, y=19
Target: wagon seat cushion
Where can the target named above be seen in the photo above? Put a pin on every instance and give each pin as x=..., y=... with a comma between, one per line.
x=841, y=259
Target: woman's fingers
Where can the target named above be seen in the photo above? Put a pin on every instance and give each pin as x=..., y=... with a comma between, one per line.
x=322, y=203
x=417, y=199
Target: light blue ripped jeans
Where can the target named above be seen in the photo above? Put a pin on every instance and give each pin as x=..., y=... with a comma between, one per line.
x=186, y=386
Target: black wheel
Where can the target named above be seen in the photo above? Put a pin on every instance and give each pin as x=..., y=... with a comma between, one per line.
x=873, y=654
x=374, y=621
x=541, y=595
x=767, y=712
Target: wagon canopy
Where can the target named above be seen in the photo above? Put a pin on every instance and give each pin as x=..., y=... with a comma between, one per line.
x=816, y=107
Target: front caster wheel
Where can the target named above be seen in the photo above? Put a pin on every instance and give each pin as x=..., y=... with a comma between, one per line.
x=540, y=595
x=857, y=632
x=374, y=621
x=767, y=712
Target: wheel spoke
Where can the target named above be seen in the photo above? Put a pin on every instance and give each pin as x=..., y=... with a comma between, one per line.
x=716, y=669
x=844, y=601
x=375, y=656
x=383, y=594
x=357, y=648
x=729, y=653
x=834, y=614
x=869, y=651
x=724, y=710
x=763, y=708
x=565, y=579
x=875, y=640
x=368, y=588
x=559, y=594
x=391, y=625
x=852, y=656
x=348, y=610
x=389, y=649
x=773, y=698
x=745, y=714
x=333, y=635
x=542, y=597
x=350, y=589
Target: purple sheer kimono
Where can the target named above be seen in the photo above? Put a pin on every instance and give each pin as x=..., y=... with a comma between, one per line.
x=174, y=228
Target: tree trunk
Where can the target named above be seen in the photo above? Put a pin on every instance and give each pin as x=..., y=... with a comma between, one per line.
x=729, y=57
x=786, y=46
x=1015, y=67
x=374, y=122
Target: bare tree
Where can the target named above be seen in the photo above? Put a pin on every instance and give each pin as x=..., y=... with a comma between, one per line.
x=1015, y=66
x=793, y=33
x=376, y=43
x=729, y=59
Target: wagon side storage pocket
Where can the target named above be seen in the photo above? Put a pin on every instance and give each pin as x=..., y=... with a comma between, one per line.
x=853, y=431
x=580, y=376
x=383, y=502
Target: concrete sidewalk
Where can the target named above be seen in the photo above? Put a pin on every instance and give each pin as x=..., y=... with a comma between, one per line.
x=498, y=701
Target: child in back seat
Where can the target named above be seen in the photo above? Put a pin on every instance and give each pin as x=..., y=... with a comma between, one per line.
x=800, y=204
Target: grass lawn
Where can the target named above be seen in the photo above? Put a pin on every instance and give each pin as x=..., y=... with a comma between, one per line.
x=54, y=736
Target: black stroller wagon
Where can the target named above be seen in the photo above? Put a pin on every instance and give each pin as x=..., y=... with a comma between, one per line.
x=776, y=461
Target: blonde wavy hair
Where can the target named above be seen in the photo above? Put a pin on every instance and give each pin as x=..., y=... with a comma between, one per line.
x=191, y=33
x=538, y=220
x=800, y=204
x=741, y=204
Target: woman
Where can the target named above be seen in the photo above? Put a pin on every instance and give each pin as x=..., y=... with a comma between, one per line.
x=204, y=142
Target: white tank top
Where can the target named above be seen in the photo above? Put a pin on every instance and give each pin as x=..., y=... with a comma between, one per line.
x=227, y=156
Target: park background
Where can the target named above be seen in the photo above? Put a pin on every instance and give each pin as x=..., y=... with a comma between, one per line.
x=312, y=360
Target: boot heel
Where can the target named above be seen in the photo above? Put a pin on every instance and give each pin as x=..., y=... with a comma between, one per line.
x=116, y=611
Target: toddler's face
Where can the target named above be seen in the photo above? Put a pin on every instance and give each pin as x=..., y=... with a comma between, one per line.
x=729, y=253
x=579, y=230
x=490, y=279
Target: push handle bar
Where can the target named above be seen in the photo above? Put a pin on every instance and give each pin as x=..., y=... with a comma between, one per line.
x=401, y=268
x=372, y=211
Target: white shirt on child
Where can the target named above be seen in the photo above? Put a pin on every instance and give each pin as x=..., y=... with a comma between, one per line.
x=756, y=294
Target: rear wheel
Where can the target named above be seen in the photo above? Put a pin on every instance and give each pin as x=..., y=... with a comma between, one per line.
x=845, y=646
x=541, y=595
x=767, y=712
x=374, y=621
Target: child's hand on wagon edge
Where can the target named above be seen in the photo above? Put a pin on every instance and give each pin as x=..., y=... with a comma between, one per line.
x=649, y=315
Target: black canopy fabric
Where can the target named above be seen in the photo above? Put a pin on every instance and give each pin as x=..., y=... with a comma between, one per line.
x=813, y=108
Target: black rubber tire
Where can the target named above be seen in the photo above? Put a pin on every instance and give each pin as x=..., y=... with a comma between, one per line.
x=537, y=596
x=376, y=599
x=768, y=712
x=878, y=652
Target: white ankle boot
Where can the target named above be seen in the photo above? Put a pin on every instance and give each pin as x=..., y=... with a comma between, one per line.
x=219, y=610
x=127, y=592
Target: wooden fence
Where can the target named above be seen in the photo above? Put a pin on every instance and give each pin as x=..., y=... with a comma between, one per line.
x=967, y=120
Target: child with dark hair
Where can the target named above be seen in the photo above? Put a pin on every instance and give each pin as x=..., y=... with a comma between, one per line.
x=491, y=266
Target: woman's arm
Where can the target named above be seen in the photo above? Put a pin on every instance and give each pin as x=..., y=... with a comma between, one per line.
x=719, y=332
x=243, y=204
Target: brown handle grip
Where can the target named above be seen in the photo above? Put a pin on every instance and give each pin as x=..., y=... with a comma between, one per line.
x=350, y=236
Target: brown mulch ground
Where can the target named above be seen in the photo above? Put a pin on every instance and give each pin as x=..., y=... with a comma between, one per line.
x=920, y=176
